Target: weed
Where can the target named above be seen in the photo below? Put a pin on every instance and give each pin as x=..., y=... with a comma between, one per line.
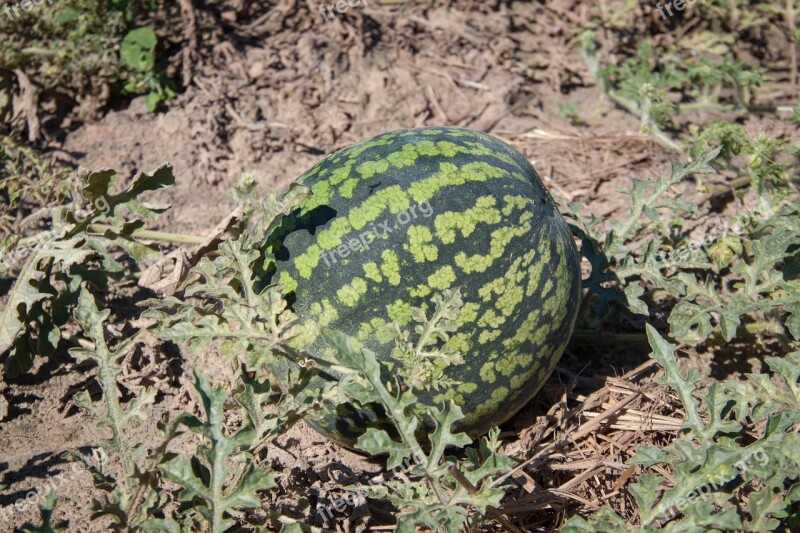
x=137, y=52
x=26, y=179
x=89, y=48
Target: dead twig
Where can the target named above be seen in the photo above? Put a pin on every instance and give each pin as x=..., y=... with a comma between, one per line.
x=30, y=105
x=189, y=52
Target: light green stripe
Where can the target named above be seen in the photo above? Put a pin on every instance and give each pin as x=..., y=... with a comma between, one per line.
x=450, y=175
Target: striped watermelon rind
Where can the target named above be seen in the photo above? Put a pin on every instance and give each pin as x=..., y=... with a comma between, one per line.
x=493, y=231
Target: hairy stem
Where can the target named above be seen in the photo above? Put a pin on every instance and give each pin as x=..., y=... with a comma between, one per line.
x=179, y=238
x=107, y=376
x=410, y=440
x=163, y=236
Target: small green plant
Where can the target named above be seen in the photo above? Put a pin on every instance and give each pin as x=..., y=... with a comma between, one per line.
x=767, y=162
x=252, y=326
x=251, y=320
x=750, y=259
x=131, y=496
x=673, y=264
x=569, y=110
x=424, y=360
x=137, y=52
x=613, y=260
x=88, y=48
x=645, y=84
x=136, y=498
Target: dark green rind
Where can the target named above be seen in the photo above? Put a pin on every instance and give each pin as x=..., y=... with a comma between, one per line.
x=519, y=310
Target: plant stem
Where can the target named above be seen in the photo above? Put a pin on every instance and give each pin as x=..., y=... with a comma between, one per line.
x=247, y=285
x=701, y=105
x=757, y=327
x=180, y=238
x=218, y=473
x=44, y=52
x=107, y=376
x=218, y=479
x=409, y=438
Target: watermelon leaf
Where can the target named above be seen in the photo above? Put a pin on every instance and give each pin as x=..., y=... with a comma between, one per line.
x=426, y=358
x=622, y=278
x=710, y=463
x=443, y=489
x=57, y=261
x=254, y=322
x=209, y=494
x=615, y=266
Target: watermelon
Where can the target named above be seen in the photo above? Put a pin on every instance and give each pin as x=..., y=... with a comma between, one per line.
x=405, y=215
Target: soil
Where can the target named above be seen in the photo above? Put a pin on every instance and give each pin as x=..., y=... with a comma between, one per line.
x=273, y=90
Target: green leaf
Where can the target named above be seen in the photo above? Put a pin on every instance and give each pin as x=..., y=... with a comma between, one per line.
x=210, y=493
x=253, y=394
x=424, y=359
x=137, y=49
x=633, y=293
x=151, y=101
x=27, y=292
x=649, y=455
x=443, y=437
x=663, y=352
x=378, y=442
x=67, y=15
